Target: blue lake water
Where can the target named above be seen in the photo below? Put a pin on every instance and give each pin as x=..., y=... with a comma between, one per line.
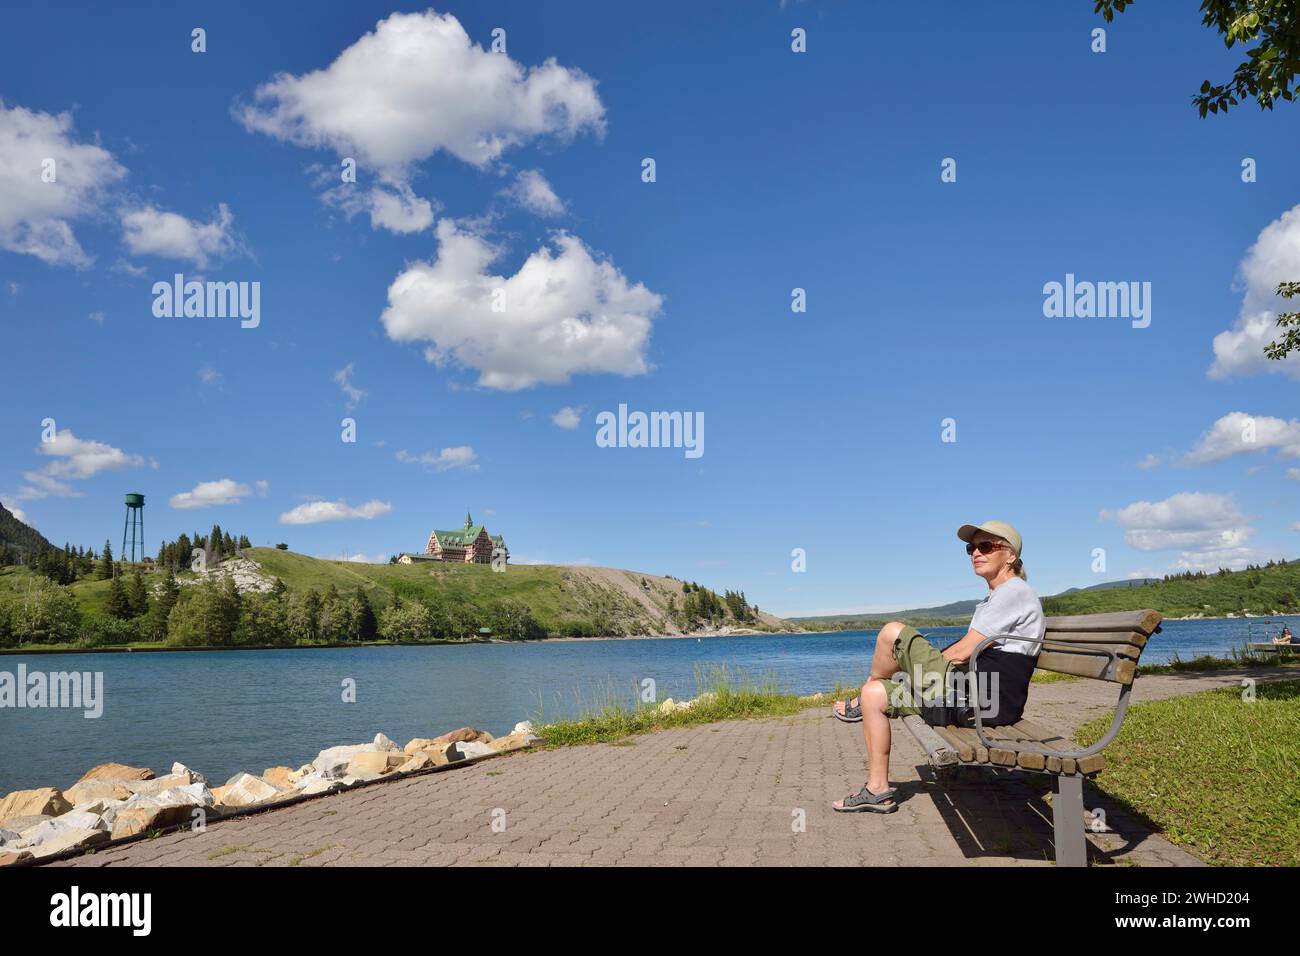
x=225, y=711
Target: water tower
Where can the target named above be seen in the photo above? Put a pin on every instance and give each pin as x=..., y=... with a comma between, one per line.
x=134, y=522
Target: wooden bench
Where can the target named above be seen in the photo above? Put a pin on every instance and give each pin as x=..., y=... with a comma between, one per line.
x=1098, y=646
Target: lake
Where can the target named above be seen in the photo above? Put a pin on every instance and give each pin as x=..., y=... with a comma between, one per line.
x=220, y=712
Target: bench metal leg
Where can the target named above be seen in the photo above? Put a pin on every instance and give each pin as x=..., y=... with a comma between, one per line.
x=1067, y=821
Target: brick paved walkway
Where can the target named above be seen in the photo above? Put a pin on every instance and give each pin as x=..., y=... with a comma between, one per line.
x=725, y=793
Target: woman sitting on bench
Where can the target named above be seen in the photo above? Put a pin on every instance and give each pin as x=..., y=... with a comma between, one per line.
x=1011, y=612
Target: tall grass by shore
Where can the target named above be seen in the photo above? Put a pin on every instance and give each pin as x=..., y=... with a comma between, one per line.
x=607, y=715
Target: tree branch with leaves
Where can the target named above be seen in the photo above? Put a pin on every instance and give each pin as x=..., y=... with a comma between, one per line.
x=1268, y=72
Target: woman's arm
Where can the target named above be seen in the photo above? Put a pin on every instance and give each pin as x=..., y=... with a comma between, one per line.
x=960, y=652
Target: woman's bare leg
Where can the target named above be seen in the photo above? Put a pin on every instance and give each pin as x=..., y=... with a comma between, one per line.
x=876, y=732
x=883, y=663
x=882, y=659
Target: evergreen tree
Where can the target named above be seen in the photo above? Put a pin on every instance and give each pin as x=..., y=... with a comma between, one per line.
x=162, y=607
x=106, y=562
x=365, y=624
x=119, y=604
x=138, y=595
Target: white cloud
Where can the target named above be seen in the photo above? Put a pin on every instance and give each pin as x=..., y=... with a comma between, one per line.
x=1274, y=258
x=567, y=417
x=151, y=231
x=343, y=378
x=1209, y=529
x=36, y=216
x=415, y=86
x=534, y=193
x=263, y=488
x=84, y=458
x=14, y=288
x=396, y=207
x=75, y=459
x=97, y=317
x=564, y=312
x=209, y=375
x=462, y=456
x=317, y=511
x=1149, y=462
x=1238, y=433
x=1294, y=527
x=17, y=512
x=206, y=494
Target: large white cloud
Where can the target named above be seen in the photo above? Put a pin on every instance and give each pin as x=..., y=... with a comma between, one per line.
x=413, y=87
x=1209, y=529
x=314, y=512
x=563, y=313
x=152, y=231
x=1274, y=258
x=36, y=216
x=1238, y=433
x=225, y=491
x=74, y=459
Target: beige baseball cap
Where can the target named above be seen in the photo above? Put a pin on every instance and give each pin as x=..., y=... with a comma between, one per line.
x=999, y=528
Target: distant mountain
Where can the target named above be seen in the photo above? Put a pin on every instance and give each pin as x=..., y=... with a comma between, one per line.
x=18, y=536
x=958, y=612
x=1130, y=583
x=1269, y=590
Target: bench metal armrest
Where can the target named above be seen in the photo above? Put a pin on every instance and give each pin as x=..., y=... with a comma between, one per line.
x=1121, y=708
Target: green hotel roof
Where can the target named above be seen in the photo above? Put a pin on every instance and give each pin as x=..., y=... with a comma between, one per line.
x=465, y=536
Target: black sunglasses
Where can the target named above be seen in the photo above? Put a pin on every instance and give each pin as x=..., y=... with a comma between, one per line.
x=985, y=547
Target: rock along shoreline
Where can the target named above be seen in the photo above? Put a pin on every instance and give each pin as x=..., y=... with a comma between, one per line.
x=116, y=803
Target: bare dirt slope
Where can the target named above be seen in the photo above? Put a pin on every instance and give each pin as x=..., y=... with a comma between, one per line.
x=648, y=596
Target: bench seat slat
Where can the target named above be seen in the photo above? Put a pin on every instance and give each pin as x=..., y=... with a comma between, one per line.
x=965, y=741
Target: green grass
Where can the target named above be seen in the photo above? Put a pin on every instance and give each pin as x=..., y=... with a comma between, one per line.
x=1220, y=776
x=1050, y=677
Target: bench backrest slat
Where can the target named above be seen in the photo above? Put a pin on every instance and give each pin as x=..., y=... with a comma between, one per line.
x=1079, y=645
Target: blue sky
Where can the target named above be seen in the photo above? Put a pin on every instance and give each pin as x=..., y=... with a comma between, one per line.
x=775, y=170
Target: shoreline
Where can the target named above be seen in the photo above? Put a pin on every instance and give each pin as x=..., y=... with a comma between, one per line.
x=37, y=650
x=162, y=648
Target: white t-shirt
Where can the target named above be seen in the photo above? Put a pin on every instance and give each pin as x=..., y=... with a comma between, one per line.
x=1011, y=610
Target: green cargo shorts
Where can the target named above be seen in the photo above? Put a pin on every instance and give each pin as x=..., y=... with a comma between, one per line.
x=927, y=675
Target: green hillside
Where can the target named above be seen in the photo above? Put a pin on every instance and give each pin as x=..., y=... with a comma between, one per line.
x=1265, y=590
x=288, y=598
x=1272, y=589
x=17, y=538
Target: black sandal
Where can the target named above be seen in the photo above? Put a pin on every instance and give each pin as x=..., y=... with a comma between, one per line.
x=852, y=714
x=865, y=801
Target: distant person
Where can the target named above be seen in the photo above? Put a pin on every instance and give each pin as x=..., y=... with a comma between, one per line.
x=1011, y=612
x=1284, y=637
